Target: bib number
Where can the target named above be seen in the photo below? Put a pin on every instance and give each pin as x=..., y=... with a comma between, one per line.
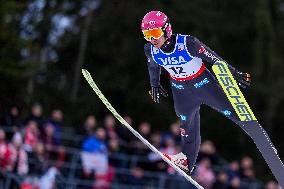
x=184, y=70
x=177, y=70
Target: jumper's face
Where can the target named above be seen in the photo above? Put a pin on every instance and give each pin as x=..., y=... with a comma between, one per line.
x=158, y=42
x=155, y=36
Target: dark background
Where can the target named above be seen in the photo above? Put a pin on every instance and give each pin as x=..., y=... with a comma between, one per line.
x=45, y=45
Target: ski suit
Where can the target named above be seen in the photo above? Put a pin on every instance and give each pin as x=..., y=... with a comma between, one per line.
x=192, y=85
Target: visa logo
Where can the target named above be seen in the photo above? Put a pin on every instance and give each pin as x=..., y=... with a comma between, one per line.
x=172, y=60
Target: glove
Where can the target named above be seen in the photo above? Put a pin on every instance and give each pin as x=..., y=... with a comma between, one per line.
x=243, y=79
x=156, y=93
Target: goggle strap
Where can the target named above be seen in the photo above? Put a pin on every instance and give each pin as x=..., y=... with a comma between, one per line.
x=165, y=26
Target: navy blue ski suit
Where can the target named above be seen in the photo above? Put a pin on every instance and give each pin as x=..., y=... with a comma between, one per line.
x=192, y=85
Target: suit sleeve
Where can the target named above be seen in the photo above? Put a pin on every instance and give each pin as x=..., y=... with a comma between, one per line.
x=200, y=50
x=153, y=68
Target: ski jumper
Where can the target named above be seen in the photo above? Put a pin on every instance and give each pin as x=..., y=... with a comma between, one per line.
x=192, y=85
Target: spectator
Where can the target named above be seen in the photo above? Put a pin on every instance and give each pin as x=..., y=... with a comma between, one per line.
x=31, y=135
x=157, y=163
x=233, y=170
x=30, y=183
x=249, y=174
x=13, y=117
x=205, y=174
x=156, y=139
x=53, y=150
x=113, y=148
x=39, y=160
x=169, y=146
x=59, y=157
x=272, y=185
x=36, y=116
x=136, y=145
x=104, y=181
x=145, y=129
x=48, y=180
x=89, y=126
x=174, y=133
x=109, y=125
x=235, y=183
x=5, y=153
x=221, y=181
x=95, y=143
x=249, y=180
x=49, y=139
x=94, y=156
x=56, y=120
x=208, y=150
x=246, y=163
x=122, y=132
x=137, y=177
x=19, y=156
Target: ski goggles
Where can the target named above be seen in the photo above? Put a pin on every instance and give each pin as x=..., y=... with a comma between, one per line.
x=155, y=33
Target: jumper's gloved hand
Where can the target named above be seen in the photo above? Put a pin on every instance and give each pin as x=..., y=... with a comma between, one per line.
x=243, y=79
x=156, y=93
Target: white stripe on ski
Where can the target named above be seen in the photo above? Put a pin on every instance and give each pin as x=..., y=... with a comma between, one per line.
x=91, y=82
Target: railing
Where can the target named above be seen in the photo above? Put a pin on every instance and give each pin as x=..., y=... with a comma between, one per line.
x=69, y=176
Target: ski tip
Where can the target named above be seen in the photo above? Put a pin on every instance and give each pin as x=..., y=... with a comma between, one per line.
x=84, y=71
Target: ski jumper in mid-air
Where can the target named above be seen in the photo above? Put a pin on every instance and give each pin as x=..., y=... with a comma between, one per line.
x=192, y=84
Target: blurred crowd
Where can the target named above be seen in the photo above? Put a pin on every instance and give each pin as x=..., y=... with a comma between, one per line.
x=34, y=148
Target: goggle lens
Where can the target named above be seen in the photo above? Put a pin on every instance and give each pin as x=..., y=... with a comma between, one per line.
x=155, y=33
